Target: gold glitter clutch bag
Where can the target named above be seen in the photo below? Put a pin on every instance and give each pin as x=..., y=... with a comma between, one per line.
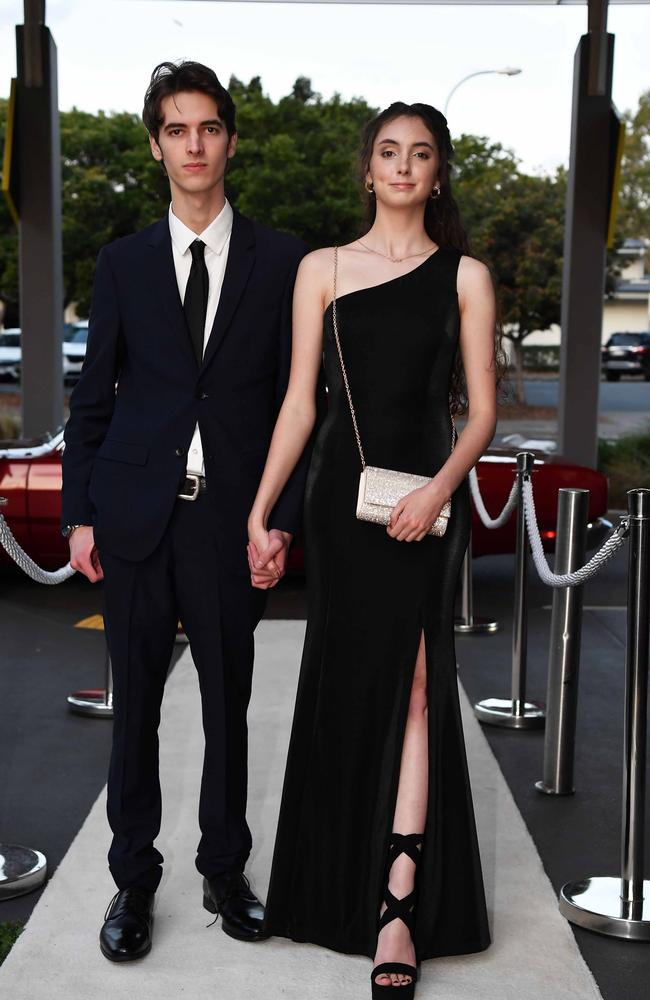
x=381, y=489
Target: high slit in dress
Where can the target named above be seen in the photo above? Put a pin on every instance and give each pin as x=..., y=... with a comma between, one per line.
x=369, y=599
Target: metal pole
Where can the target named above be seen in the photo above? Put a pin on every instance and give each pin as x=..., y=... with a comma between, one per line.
x=636, y=698
x=620, y=907
x=586, y=212
x=468, y=624
x=516, y=712
x=564, y=646
x=39, y=208
x=22, y=869
x=96, y=702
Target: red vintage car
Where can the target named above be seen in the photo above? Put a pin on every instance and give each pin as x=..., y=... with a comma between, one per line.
x=30, y=479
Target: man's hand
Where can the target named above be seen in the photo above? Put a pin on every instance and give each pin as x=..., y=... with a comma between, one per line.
x=84, y=556
x=267, y=556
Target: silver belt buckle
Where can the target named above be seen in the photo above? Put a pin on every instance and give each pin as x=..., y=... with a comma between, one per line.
x=197, y=487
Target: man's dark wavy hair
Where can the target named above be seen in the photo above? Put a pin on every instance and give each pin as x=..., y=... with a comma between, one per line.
x=170, y=78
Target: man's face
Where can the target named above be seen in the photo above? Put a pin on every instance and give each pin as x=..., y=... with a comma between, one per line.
x=193, y=142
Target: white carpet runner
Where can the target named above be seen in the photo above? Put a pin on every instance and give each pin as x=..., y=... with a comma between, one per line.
x=57, y=957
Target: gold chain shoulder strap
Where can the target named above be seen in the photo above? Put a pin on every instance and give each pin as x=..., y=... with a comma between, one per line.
x=345, y=375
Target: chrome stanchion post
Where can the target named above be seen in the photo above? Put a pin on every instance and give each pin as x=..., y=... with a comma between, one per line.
x=22, y=869
x=620, y=907
x=564, y=646
x=97, y=703
x=516, y=712
x=468, y=624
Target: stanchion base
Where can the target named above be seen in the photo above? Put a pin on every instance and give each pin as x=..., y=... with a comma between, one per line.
x=91, y=703
x=545, y=789
x=596, y=904
x=498, y=712
x=477, y=626
x=21, y=870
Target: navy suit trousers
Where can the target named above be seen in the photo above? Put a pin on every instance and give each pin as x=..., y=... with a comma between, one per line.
x=184, y=578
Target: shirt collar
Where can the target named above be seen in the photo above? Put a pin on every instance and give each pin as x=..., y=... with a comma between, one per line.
x=215, y=236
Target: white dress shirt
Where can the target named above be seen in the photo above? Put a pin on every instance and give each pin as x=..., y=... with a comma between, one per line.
x=217, y=241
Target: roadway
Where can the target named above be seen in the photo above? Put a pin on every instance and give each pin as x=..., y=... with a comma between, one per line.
x=629, y=395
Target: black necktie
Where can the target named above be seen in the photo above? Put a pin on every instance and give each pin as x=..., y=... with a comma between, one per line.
x=195, y=304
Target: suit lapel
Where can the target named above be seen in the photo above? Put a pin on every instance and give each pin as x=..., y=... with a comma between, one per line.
x=241, y=256
x=164, y=283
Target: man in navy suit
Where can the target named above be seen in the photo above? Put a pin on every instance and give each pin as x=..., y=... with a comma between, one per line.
x=186, y=368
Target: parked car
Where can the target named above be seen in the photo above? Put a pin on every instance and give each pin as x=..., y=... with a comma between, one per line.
x=74, y=350
x=626, y=354
x=30, y=478
x=10, y=354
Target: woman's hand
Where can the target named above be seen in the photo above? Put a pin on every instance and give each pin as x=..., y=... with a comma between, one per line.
x=267, y=555
x=412, y=517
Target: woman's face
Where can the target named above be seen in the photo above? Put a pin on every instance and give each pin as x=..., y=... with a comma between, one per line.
x=404, y=163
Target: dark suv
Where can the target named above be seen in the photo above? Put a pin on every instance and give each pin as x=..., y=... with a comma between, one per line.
x=626, y=354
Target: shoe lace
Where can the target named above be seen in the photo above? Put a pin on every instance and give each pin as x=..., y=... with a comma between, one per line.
x=138, y=901
x=234, y=885
x=110, y=905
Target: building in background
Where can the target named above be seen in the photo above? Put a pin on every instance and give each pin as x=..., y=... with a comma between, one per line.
x=625, y=309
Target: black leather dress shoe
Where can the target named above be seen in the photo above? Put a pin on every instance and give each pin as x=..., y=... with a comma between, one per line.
x=242, y=914
x=128, y=923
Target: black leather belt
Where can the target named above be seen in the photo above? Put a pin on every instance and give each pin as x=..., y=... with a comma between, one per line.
x=192, y=487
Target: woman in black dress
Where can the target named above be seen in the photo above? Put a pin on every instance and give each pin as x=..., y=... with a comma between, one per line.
x=376, y=787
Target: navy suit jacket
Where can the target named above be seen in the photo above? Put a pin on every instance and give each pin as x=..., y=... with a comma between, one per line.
x=141, y=392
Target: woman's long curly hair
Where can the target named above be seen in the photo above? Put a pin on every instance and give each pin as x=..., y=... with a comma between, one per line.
x=442, y=220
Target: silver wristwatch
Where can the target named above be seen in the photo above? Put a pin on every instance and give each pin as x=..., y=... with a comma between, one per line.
x=67, y=529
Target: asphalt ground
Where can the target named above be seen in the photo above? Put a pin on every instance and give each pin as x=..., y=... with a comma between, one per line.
x=631, y=394
x=54, y=763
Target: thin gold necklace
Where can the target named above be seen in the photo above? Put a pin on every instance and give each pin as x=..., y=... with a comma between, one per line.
x=395, y=260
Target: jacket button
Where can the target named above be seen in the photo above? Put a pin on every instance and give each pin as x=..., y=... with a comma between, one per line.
x=180, y=451
x=201, y=393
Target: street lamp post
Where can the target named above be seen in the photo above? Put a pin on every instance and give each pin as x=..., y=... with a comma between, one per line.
x=506, y=71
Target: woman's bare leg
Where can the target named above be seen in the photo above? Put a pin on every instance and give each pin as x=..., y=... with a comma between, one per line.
x=394, y=942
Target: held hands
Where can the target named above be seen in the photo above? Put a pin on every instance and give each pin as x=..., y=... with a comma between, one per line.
x=412, y=517
x=84, y=556
x=267, y=555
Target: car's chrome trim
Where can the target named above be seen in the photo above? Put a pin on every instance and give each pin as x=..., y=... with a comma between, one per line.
x=55, y=443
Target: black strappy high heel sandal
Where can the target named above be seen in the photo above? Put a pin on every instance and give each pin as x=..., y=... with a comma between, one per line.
x=401, y=909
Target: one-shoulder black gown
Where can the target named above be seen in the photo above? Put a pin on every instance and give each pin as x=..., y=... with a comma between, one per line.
x=370, y=597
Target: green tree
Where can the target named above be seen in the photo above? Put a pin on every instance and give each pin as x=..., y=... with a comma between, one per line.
x=296, y=170
x=634, y=198
x=111, y=187
x=516, y=225
x=295, y=167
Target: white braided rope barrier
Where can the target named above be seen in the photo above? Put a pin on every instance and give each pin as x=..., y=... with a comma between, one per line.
x=604, y=553
x=28, y=566
x=481, y=510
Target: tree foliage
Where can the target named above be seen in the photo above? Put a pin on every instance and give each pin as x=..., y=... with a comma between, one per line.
x=296, y=170
x=634, y=199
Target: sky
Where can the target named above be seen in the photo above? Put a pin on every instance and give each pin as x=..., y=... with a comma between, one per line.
x=381, y=52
